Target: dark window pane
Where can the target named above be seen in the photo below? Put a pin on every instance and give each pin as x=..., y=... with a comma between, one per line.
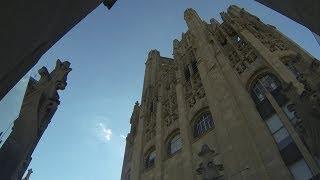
x=187, y=74
x=175, y=144
x=150, y=159
x=203, y=124
x=290, y=154
x=194, y=66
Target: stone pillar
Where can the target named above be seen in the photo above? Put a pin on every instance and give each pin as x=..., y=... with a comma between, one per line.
x=184, y=127
x=137, y=156
x=39, y=104
x=159, y=139
x=241, y=158
x=262, y=140
x=294, y=135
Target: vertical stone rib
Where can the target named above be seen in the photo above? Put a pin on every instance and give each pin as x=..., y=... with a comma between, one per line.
x=137, y=155
x=159, y=139
x=237, y=148
x=184, y=127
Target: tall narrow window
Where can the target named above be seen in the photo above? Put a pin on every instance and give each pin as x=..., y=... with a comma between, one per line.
x=203, y=124
x=290, y=154
x=175, y=144
x=150, y=159
x=194, y=66
x=268, y=83
x=187, y=74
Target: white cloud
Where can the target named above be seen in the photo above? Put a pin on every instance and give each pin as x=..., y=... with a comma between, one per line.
x=104, y=133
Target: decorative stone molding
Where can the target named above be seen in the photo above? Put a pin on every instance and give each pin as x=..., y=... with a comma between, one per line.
x=208, y=169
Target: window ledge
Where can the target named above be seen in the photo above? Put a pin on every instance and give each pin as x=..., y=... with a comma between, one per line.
x=195, y=139
x=169, y=156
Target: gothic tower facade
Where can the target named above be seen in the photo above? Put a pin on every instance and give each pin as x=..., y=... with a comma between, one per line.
x=40, y=102
x=239, y=100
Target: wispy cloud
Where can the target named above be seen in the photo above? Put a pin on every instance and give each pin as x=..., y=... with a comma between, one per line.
x=104, y=132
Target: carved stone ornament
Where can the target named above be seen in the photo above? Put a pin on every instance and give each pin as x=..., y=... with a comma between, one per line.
x=307, y=107
x=208, y=169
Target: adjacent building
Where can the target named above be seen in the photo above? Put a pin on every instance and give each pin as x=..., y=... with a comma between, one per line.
x=306, y=13
x=40, y=102
x=238, y=100
x=30, y=28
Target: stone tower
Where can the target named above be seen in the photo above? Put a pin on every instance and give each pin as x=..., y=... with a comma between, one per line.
x=40, y=102
x=239, y=100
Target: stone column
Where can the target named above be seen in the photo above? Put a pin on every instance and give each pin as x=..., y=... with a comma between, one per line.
x=235, y=143
x=137, y=156
x=262, y=140
x=184, y=127
x=294, y=135
x=159, y=138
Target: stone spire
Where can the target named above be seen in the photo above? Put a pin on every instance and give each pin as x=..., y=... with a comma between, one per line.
x=39, y=104
x=192, y=18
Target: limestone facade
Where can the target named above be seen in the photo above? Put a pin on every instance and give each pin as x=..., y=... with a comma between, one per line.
x=39, y=104
x=239, y=100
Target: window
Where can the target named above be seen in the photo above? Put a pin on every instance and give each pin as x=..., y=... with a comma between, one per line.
x=203, y=124
x=150, y=159
x=267, y=82
x=278, y=131
x=194, y=66
x=151, y=107
x=187, y=74
x=175, y=144
x=290, y=154
x=293, y=69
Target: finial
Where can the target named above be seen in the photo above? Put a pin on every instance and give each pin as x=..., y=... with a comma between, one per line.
x=189, y=14
x=64, y=65
x=214, y=21
x=153, y=53
x=191, y=17
x=45, y=75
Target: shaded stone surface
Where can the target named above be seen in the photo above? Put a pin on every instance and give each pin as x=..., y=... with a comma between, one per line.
x=40, y=102
x=30, y=28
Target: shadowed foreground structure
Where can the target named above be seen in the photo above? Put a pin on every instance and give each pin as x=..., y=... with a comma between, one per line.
x=30, y=28
x=306, y=12
x=40, y=102
x=239, y=100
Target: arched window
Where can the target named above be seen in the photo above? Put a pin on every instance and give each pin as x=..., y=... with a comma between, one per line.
x=203, y=124
x=267, y=82
x=289, y=151
x=270, y=83
x=150, y=158
x=175, y=144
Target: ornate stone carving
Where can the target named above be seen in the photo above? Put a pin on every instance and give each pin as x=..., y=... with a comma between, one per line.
x=194, y=90
x=38, y=107
x=169, y=102
x=307, y=107
x=208, y=169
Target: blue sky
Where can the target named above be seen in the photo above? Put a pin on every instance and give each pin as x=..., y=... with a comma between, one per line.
x=107, y=51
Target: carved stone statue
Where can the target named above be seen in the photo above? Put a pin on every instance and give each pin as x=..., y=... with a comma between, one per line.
x=39, y=104
x=208, y=169
x=307, y=107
